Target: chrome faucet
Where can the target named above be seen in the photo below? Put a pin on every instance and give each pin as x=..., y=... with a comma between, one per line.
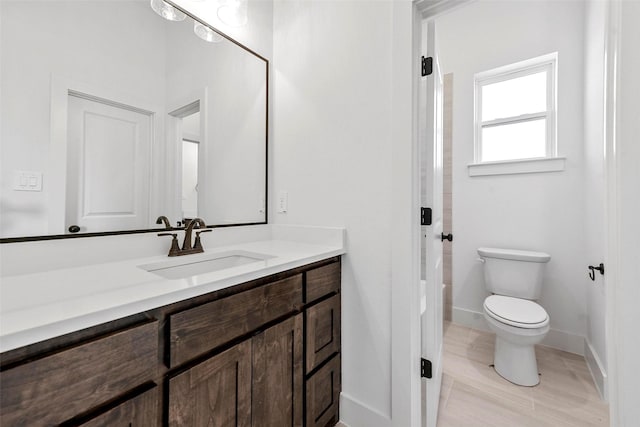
x=187, y=248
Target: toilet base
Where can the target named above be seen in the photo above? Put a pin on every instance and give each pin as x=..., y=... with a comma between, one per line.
x=516, y=363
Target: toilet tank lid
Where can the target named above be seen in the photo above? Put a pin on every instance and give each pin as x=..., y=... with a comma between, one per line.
x=514, y=254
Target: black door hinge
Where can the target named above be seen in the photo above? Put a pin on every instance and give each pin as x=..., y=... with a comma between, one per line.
x=425, y=216
x=427, y=66
x=425, y=368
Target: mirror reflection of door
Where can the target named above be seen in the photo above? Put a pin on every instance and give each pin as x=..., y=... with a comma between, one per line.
x=190, y=158
x=189, y=178
x=108, y=165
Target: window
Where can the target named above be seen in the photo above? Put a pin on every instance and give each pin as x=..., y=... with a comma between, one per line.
x=515, y=111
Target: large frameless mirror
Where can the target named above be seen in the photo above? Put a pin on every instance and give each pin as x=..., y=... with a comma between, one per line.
x=113, y=116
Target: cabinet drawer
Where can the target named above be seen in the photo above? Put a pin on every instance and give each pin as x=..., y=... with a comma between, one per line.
x=203, y=328
x=140, y=411
x=323, y=395
x=65, y=384
x=323, y=331
x=322, y=281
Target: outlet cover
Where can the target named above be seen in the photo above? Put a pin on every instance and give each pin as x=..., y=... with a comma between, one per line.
x=283, y=201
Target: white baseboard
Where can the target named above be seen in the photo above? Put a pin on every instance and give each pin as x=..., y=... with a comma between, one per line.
x=597, y=370
x=566, y=341
x=356, y=414
x=469, y=318
x=556, y=338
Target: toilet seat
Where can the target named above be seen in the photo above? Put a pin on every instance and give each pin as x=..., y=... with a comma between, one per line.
x=517, y=312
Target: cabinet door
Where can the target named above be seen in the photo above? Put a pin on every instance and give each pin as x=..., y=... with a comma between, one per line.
x=140, y=411
x=277, y=375
x=214, y=393
x=323, y=331
x=323, y=395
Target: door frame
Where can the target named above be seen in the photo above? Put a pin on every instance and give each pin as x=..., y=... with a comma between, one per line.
x=621, y=252
x=405, y=324
x=177, y=109
x=405, y=211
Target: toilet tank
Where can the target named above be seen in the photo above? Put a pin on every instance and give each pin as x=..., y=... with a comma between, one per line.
x=514, y=272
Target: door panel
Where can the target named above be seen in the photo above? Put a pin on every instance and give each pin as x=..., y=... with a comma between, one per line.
x=109, y=152
x=431, y=191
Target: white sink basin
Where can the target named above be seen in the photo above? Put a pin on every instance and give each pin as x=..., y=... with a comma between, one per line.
x=192, y=265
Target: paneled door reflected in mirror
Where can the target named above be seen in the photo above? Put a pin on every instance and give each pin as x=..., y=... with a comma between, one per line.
x=113, y=116
x=108, y=165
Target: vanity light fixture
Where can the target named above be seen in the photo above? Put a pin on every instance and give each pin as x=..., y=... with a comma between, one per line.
x=230, y=12
x=206, y=33
x=233, y=12
x=167, y=11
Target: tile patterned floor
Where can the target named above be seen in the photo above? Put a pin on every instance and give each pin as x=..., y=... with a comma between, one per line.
x=474, y=395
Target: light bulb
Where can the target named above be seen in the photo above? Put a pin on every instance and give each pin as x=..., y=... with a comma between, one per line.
x=206, y=33
x=233, y=12
x=167, y=11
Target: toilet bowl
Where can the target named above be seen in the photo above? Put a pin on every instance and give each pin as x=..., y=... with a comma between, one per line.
x=514, y=277
x=519, y=325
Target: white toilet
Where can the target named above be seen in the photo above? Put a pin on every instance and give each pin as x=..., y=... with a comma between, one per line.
x=514, y=277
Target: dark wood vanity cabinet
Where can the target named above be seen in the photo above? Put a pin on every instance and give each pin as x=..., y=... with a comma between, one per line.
x=264, y=353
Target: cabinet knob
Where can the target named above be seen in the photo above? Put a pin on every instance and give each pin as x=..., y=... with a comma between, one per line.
x=74, y=229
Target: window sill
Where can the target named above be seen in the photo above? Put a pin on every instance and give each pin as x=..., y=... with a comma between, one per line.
x=510, y=167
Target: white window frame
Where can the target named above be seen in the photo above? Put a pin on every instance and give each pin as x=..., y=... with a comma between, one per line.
x=520, y=69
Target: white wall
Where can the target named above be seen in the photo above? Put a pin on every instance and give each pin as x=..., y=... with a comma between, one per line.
x=332, y=152
x=531, y=211
x=594, y=224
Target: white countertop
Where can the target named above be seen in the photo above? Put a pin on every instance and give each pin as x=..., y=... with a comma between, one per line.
x=38, y=306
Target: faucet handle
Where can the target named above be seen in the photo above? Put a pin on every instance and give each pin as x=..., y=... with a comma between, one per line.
x=198, y=244
x=175, y=249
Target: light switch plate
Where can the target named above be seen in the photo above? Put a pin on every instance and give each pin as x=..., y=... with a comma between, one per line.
x=27, y=181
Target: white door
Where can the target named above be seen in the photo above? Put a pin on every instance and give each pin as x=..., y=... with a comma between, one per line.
x=108, y=166
x=431, y=191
